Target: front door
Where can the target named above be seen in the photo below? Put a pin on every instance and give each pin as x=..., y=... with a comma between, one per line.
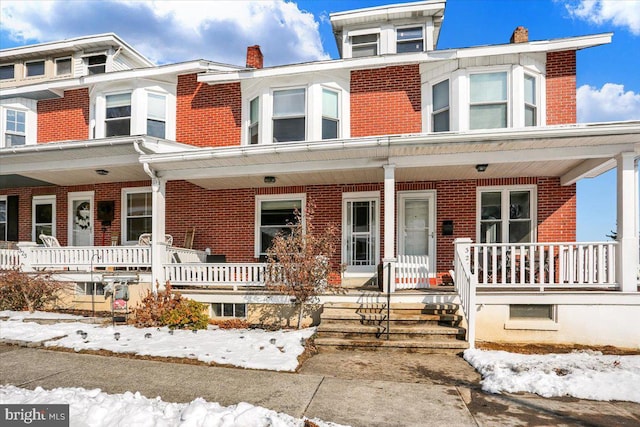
x=81, y=219
x=360, y=232
x=417, y=225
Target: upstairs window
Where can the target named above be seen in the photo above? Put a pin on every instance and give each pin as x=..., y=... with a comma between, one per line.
x=63, y=66
x=488, y=96
x=409, y=40
x=506, y=215
x=15, y=132
x=530, y=104
x=440, y=99
x=96, y=64
x=289, y=121
x=118, y=117
x=34, y=69
x=7, y=72
x=156, y=115
x=364, y=45
x=254, y=121
x=330, y=117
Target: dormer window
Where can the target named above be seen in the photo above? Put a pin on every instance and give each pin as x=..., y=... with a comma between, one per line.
x=364, y=45
x=96, y=64
x=34, y=69
x=410, y=40
x=289, y=118
x=63, y=66
x=7, y=72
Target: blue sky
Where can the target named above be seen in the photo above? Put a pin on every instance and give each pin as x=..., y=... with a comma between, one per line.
x=288, y=32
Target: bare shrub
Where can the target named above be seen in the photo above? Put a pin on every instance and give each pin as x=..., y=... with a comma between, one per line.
x=32, y=291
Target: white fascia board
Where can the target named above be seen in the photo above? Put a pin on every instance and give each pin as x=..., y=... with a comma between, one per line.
x=572, y=43
x=385, y=12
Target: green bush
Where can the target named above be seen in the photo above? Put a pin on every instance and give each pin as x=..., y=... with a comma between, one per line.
x=188, y=314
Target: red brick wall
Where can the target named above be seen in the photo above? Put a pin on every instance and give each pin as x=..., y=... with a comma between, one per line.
x=64, y=118
x=561, y=87
x=208, y=116
x=386, y=101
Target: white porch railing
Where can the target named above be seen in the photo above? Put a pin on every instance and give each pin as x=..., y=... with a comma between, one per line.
x=9, y=259
x=465, y=282
x=86, y=257
x=544, y=265
x=212, y=275
x=183, y=255
x=412, y=272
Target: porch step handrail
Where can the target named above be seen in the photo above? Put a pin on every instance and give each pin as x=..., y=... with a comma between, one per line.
x=465, y=282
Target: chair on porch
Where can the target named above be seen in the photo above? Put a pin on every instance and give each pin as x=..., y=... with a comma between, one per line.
x=49, y=241
x=145, y=239
x=188, y=238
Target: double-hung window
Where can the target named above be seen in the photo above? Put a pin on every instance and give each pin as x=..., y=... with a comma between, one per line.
x=3, y=218
x=118, y=115
x=34, y=68
x=330, y=115
x=506, y=215
x=44, y=216
x=530, y=104
x=96, y=64
x=440, y=99
x=156, y=115
x=254, y=121
x=137, y=211
x=289, y=116
x=364, y=45
x=409, y=40
x=7, y=72
x=275, y=216
x=488, y=101
x=15, y=132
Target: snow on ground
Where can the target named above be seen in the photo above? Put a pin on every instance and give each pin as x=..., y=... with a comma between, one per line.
x=582, y=374
x=95, y=408
x=37, y=315
x=246, y=348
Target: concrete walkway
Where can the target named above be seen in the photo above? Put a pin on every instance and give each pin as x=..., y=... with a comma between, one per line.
x=353, y=388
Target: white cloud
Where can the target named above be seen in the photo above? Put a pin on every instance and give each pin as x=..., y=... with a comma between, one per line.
x=609, y=103
x=173, y=31
x=621, y=13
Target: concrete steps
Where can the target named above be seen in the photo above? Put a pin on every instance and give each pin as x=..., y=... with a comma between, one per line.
x=425, y=328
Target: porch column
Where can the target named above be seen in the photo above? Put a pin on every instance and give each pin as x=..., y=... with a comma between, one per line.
x=158, y=230
x=627, y=255
x=389, y=258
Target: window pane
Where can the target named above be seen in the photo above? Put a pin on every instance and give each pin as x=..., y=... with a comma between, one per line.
x=289, y=129
x=409, y=33
x=366, y=38
x=228, y=310
x=7, y=72
x=156, y=128
x=441, y=95
x=241, y=310
x=3, y=231
x=329, y=129
x=519, y=231
x=254, y=110
x=519, y=205
x=279, y=212
x=3, y=211
x=216, y=307
x=531, y=311
x=253, y=134
x=365, y=50
x=488, y=116
x=137, y=226
x=488, y=87
x=119, y=100
x=118, y=127
x=44, y=213
x=35, y=68
x=97, y=64
x=530, y=116
x=156, y=108
x=63, y=66
x=441, y=121
x=490, y=232
x=415, y=46
x=490, y=205
x=14, y=140
x=329, y=103
x=361, y=221
x=15, y=121
x=529, y=90
x=288, y=102
x=138, y=204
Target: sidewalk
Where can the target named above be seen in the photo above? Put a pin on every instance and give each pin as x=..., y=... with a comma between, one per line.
x=354, y=388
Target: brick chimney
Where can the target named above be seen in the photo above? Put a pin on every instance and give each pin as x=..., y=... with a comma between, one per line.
x=520, y=35
x=254, y=57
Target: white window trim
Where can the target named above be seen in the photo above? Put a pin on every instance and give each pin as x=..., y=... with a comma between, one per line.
x=352, y=270
x=433, y=208
x=38, y=76
x=402, y=27
x=505, y=189
x=55, y=66
x=85, y=61
x=43, y=200
x=246, y=310
x=5, y=199
x=29, y=107
x=131, y=119
x=509, y=101
x=123, y=211
x=364, y=33
x=306, y=112
x=258, y=210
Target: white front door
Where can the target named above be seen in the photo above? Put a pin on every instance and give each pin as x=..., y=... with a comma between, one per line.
x=417, y=224
x=81, y=218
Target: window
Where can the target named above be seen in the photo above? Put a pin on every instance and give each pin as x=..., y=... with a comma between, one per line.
x=530, y=109
x=137, y=210
x=488, y=96
x=34, y=69
x=14, y=128
x=96, y=64
x=3, y=218
x=365, y=45
x=88, y=288
x=156, y=115
x=531, y=311
x=289, y=121
x=44, y=216
x=63, y=66
x=228, y=309
x=118, y=117
x=7, y=72
x=409, y=40
x=254, y=121
x=360, y=231
x=440, y=99
x=275, y=215
x=330, y=117
x=506, y=216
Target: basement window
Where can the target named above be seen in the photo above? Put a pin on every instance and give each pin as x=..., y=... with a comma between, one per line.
x=227, y=309
x=88, y=288
x=531, y=311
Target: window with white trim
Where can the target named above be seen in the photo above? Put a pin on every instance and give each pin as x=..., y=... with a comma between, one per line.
x=364, y=45
x=156, y=115
x=229, y=309
x=409, y=39
x=43, y=216
x=440, y=102
x=14, y=128
x=89, y=288
x=254, y=121
x=506, y=215
x=289, y=115
x=330, y=114
x=488, y=108
x=530, y=104
x=275, y=215
x=96, y=64
x=137, y=212
x=34, y=69
x=63, y=66
x=117, y=120
x=3, y=218
x=7, y=72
